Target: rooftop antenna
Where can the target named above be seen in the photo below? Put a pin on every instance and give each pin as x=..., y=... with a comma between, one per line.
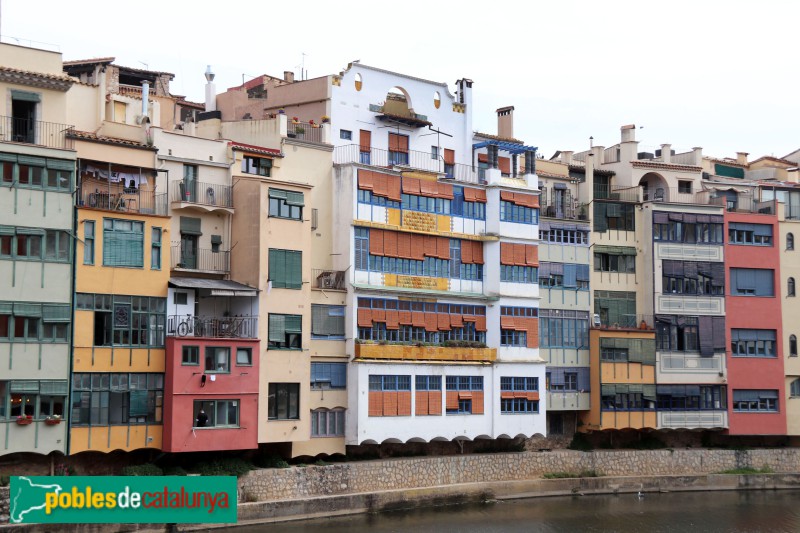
x=146, y=66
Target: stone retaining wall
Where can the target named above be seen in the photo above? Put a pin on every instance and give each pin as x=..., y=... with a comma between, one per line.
x=392, y=474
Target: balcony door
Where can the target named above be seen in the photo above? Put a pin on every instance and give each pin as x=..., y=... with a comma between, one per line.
x=188, y=250
x=189, y=183
x=23, y=111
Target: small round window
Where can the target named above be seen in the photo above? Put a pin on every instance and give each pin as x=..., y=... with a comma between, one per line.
x=437, y=100
x=359, y=82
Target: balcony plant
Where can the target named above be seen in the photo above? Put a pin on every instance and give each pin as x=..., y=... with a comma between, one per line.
x=24, y=420
x=295, y=120
x=52, y=420
x=299, y=130
x=326, y=119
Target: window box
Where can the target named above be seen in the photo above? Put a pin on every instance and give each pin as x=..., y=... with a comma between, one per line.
x=24, y=420
x=53, y=420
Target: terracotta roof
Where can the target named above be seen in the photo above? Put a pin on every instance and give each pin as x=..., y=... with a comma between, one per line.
x=242, y=147
x=776, y=159
x=35, y=79
x=725, y=161
x=93, y=61
x=498, y=138
x=93, y=137
x=666, y=166
x=551, y=175
x=183, y=101
x=598, y=171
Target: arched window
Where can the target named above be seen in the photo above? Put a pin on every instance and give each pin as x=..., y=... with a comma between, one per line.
x=790, y=241
x=790, y=287
x=792, y=346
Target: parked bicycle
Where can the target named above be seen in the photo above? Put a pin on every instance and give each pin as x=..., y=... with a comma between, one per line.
x=193, y=325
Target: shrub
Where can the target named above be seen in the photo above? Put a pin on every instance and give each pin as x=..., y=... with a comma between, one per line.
x=4, y=481
x=580, y=443
x=271, y=461
x=749, y=470
x=228, y=466
x=174, y=471
x=649, y=442
x=567, y=475
x=142, y=470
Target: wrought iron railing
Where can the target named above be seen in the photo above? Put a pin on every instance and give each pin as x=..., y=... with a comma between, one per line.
x=638, y=321
x=243, y=327
x=27, y=131
x=198, y=192
x=304, y=130
x=129, y=201
x=200, y=259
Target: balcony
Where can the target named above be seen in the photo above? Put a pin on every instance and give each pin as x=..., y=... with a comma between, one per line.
x=692, y=419
x=406, y=352
x=238, y=327
x=678, y=304
x=329, y=279
x=125, y=200
x=201, y=259
x=305, y=131
x=27, y=131
x=568, y=401
x=637, y=322
x=201, y=195
x=688, y=367
x=352, y=153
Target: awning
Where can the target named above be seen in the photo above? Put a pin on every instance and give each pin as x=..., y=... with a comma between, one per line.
x=512, y=148
x=218, y=287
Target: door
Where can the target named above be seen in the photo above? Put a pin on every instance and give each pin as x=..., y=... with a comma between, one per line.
x=188, y=250
x=24, y=114
x=190, y=183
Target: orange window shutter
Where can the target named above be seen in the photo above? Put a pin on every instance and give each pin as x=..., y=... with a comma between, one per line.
x=507, y=394
x=470, y=195
x=435, y=402
x=508, y=196
x=431, y=322
x=525, y=200
x=533, y=333
x=389, y=243
x=375, y=403
x=394, y=142
x=429, y=188
x=405, y=318
x=376, y=241
x=507, y=322
x=477, y=403
x=519, y=254
x=365, y=180
x=477, y=252
x=480, y=195
x=418, y=319
x=464, y=395
x=449, y=156
x=443, y=248
x=535, y=202
x=402, y=143
x=466, y=252
x=411, y=185
x=531, y=255
x=381, y=187
x=532, y=395
x=430, y=245
x=404, y=245
x=378, y=315
x=506, y=253
x=446, y=191
x=444, y=321
x=418, y=247
x=365, y=140
x=421, y=403
x=390, y=403
x=456, y=321
x=393, y=188
x=480, y=323
x=505, y=165
x=365, y=318
x=483, y=158
x=392, y=320
x=404, y=403
x=452, y=400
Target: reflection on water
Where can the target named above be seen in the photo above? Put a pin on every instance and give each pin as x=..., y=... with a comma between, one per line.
x=756, y=511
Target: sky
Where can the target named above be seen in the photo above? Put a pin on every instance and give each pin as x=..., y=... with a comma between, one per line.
x=720, y=75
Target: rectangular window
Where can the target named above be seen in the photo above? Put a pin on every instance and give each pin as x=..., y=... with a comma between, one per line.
x=123, y=243
x=190, y=355
x=361, y=249
x=283, y=402
x=180, y=298
x=218, y=359
x=56, y=246
x=561, y=328
x=616, y=308
x=614, y=216
x=434, y=152
x=752, y=282
x=117, y=398
x=286, y=269
x=286, y=204
x=684, y=187
x=398, y=149
x=244, y=356
x=753, y=343
x=389, y=383
x=691, y=397
x=328, y=375
x=693, y=278
x=755, y=400
x=615, y=259
x=510, y=212
x=428, y=383
x=327, y=423
x=568, y=276
x=257, y=165
x=564, y=236
x=155, y=249
x=34, y=322
x=216, y=414
x=519, y=395
x=464, y=383
x=327, y=321
x=750, y=234
x=88, y=242
x=285, y=332
x=122, y=320
x=519, y=274
x=510, y=337
x=346, y=135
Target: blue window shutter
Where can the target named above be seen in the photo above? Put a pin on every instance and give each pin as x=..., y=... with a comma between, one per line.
x=570, y=276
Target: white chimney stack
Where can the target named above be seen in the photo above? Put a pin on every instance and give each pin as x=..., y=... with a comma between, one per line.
x=211, y=91
x=145, y=98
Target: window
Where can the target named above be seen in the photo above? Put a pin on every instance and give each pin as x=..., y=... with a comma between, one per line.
x=680, y=336
x=428, y=383
x=327, y=321
x=123, y=243
x=684, y=187
x=461, y=391
x=750, y=234
x=121, y=320
x=285, y=269
x=286, y=204
x=560, y=328
x=120, y=110
x=34, y=322
x=752, y=282
x=285, y=332
x=190, y=355
x=218, y=359
x=564, y=236
x=794, y=389
x=327, y=423
x=755, y=400
x=622, y=260
x=216, y=242
x=155, y=250
x=461, y=207
x=688, y=228
x=616, y=308
x=180, y=298
x=216, y=414
x=413, y=202
x=34, y=244
x=389, y=383
x=519, y=395
x=189, y=185
x=691, y=397
x=88, y=242
x=614, y=216
x=37, y=399
x=790, y=241
x=627, y=397
x=56, y=246
x=257, y=165
x=510, y=212
x=37, y=172
x=398, y=149
x=519, y=274
x=347, y=135
x=510, y=337
x=753, y=342
x=365, y=146
x=328, y=375
x=790, y=287
x=101, y=399
x=792, y=346
x=361, y=249
x=434, y=152
x=244, y=356
x=283, y=402
x=693, y=278
x=564, y=275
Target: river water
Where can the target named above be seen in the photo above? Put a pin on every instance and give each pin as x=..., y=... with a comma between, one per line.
x=697, y=512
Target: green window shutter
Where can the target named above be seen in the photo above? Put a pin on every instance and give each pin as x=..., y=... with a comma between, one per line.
x=55, y=312
x=24, y=386
x=190, y=226
x=8, y=157
x=123, y=247
x=294, y=270
x=327, y=320
x=294, y=323
x=138, y=406
x=55, y=388
x=60, y=164
x=31, y=161
x=607, y=390
x=30, y=231
x=294, y=198
x=7, y=230
x=6, y=308
x=216, y=239
x=277, y=193
x=599, y=219
x=277, y=328
x=24, y=309
x=25, y=96
x=277, y=268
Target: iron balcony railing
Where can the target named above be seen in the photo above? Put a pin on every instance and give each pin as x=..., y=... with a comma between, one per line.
x=328, y=279
x=643, y=322
x=198, y=192
x=129, y=201
x=242, y=327
x=353, y=153
x=618, y=194
x=304, y=130
x=203, y=259
x=28, y=131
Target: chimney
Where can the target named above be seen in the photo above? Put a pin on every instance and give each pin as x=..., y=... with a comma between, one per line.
x=697, y=153
x=666, y=153
x=505, y=122
x=628, y=133
x=288, y=76
x=566, y=156
x=211, y=90
x=741, y=157
x=145, y=97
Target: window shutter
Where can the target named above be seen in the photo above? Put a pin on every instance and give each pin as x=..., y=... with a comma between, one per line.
x=25, y=309
x=55, y=388
x=25, y=96
x=24, y=386
x=216, y=239
x=60, y=164
x=365, y=140
x=277, y=328
x=600, y=220
x=570, y=276
x=293, y=323
x=294, y=198
x=276, y=193
x=277, y=268
x=55, y=313
x=449, y=157
x=138, y=405
x=294, y=270
x=190, y=226
x=31, y=161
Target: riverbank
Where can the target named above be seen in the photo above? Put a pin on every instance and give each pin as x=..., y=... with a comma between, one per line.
x=271, y=495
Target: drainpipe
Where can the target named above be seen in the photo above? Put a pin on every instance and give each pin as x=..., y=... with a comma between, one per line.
x=74, y=265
